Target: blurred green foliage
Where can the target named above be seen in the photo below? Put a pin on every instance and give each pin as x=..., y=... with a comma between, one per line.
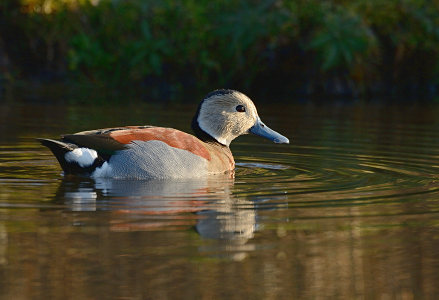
x=302, y=47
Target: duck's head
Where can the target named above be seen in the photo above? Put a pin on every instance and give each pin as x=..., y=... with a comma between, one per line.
x=226, y=114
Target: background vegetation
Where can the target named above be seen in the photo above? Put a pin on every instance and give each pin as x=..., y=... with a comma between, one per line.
x=290, y=48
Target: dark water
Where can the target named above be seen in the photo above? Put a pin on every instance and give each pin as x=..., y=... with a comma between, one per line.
x=350, y=209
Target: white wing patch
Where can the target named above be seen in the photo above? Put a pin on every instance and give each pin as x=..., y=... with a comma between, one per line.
x=84, y=157
x=103, y=171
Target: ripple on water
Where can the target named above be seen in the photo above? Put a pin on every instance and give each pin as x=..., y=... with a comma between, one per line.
x=333, y=177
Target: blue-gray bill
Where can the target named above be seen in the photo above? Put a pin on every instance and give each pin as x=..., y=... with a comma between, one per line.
x=263, y=130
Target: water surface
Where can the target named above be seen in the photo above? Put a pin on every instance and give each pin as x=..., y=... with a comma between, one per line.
x=348, y=210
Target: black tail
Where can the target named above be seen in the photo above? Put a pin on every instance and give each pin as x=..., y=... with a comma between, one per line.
x=59, y=149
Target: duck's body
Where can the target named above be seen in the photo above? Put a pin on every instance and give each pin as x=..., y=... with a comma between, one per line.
x=140, y=152
x=144, y=152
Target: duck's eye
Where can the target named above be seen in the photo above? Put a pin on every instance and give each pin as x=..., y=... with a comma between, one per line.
x=240, y=108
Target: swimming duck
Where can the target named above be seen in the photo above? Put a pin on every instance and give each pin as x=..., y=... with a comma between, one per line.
x=145, y=152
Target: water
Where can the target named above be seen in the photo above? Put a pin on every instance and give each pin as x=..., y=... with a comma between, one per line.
x=348, y=210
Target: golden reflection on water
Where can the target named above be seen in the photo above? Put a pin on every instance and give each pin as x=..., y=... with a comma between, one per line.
x=348, y=211
x=72, y=254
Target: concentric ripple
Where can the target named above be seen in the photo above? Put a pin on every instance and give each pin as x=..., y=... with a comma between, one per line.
x=332, y=176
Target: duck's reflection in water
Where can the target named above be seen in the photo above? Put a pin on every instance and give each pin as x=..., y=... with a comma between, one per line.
x=231, y=227
x=206, y=204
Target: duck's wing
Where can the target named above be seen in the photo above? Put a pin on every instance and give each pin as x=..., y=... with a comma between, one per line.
x=109, y=140
x=102, y=140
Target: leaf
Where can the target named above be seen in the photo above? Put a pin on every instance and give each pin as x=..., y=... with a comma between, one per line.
x=146, y=32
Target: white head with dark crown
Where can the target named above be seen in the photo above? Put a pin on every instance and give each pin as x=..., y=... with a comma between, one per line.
x=224, y=115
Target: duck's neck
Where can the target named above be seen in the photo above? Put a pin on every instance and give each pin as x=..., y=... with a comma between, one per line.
x=203, y=135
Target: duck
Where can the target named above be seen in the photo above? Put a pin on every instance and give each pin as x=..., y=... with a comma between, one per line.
x=151, y=152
